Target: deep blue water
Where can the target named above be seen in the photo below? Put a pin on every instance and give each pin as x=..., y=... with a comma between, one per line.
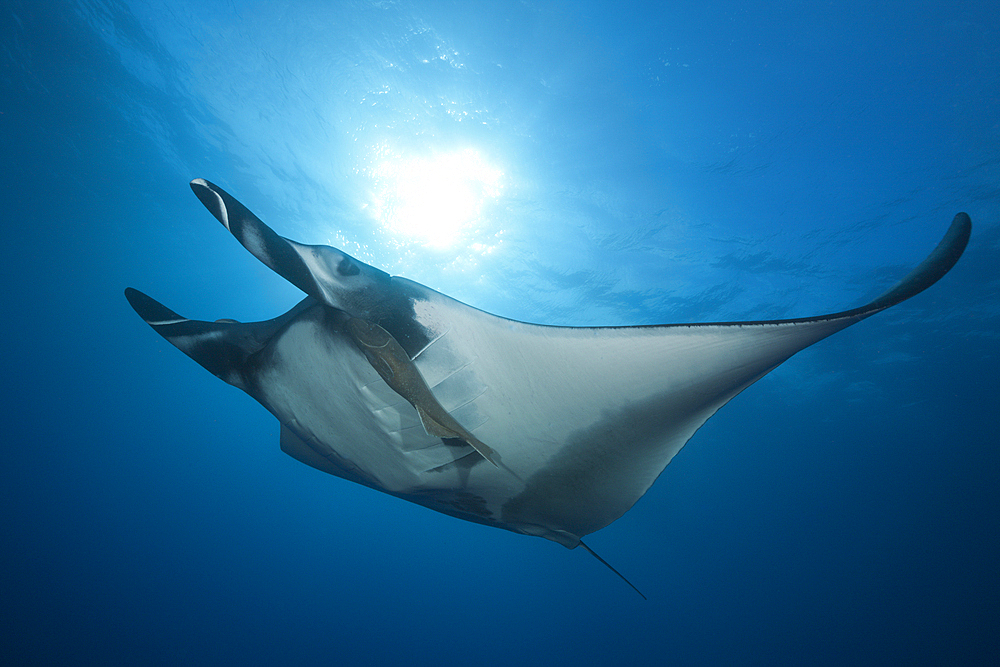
x=699, y=161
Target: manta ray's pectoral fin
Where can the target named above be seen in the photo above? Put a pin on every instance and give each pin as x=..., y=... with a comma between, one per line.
x=932, y=269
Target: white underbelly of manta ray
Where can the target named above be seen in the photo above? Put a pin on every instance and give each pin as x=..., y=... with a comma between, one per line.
x=548, y=431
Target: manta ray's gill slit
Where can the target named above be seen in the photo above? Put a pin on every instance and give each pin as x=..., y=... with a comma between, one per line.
x=429, y=343
x=453, y=373
x=472, y=399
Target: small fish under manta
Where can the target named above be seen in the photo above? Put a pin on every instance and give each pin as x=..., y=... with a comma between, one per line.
x=541, y=430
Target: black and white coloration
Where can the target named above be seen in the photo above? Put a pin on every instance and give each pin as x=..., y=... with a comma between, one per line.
x=548, y=431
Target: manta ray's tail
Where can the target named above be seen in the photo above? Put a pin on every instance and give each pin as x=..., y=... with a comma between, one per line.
x=608, y=565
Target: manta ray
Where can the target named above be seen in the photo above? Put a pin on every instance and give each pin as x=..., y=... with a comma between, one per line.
x=541, y=430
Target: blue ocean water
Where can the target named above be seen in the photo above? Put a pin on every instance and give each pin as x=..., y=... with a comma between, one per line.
x=569, y=163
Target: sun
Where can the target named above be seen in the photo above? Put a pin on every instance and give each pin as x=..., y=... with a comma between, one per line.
x=433, y=201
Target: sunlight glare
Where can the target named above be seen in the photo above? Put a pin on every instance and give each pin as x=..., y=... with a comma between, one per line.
x=434, y=200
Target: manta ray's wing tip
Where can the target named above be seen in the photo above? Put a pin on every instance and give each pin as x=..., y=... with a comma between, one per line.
x=948, y=250
x=962, y=226
x=932, y=269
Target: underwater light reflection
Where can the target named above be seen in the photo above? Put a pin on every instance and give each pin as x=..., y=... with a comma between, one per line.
x=435, y=201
